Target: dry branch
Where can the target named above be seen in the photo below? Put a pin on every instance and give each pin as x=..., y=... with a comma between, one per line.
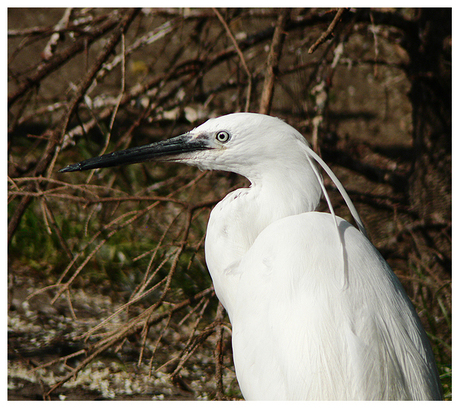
x=59, y=59
x=56, y=137
x=325, y=36
x=273, y=61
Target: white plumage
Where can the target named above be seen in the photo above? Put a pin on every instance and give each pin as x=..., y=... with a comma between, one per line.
x=316, y=312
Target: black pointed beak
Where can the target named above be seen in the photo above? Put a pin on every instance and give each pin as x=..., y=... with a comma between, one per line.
x=170, y=149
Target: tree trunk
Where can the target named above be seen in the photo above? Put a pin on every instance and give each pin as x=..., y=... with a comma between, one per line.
x=429, y=47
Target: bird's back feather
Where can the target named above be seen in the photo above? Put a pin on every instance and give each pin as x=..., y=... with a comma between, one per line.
x=327, y=342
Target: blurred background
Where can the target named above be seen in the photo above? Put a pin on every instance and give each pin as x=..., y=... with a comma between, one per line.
x=108, y=292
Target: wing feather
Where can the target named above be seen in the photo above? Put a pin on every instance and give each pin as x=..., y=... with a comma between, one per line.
x=294, y=319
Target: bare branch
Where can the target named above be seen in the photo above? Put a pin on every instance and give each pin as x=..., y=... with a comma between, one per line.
x=328, y=32
x=273, y=61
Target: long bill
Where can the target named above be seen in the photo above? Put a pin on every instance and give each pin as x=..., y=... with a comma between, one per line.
x=169, y=149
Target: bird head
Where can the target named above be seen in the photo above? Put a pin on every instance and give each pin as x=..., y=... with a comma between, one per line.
x=245, y=143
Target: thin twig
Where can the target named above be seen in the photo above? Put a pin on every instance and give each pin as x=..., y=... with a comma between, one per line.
x=50, y=47
x=240, y=54
x=219, y=353
x=328, y=32
x=117, y=105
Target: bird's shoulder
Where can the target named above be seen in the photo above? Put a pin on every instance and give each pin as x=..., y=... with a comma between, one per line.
x=308, y=239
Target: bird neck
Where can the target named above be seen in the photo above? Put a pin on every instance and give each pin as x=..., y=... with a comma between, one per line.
x=240, y=217
x=277, y=196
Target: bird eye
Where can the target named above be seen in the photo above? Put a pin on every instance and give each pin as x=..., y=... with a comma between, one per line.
x=223, y=136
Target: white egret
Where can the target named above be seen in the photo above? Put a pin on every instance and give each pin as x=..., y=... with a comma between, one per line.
x=316, y=312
